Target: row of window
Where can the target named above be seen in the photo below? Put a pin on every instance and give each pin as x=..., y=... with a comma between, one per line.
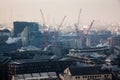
x=95, y=76
x=92, y=77
x=41, y=64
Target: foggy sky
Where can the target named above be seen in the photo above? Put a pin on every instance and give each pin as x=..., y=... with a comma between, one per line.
x=103, y=11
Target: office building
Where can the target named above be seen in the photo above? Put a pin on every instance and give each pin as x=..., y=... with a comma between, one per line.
x=19, y=27
x=29, y=33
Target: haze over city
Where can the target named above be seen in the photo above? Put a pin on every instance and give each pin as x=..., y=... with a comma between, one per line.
x=104, y=12
x=59, y=39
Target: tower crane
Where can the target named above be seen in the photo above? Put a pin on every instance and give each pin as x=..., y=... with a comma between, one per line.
x=84, y=36
x=46, y=29
x=44, y=24
x=77, y=24
x=56, y=33
x=90, y=27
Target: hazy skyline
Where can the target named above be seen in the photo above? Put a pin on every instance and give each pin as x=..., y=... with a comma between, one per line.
x=103, y=11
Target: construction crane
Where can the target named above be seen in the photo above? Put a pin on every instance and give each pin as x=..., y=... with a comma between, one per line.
x=43, y=19
x=90, y=27
x=84, y=36
x=77, y=24
x=56, y=33
x=46, y=29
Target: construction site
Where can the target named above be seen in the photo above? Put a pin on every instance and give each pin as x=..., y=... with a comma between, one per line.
x=39, y=49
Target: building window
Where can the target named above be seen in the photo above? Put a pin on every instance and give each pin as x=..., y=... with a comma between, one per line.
x=77, y=77
x=85, y=76
x=106, y=76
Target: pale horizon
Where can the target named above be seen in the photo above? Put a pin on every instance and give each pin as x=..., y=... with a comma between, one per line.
x=102, y=11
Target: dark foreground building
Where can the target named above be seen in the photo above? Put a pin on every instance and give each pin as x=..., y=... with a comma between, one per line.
x=37, y=66
x=86, y=73
x=3, y=67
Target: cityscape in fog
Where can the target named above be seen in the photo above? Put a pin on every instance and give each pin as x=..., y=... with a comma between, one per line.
x=60, y=40
x=105, y=12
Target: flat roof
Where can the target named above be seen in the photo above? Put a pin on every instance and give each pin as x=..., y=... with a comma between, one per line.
x=35, y=74
x=26, y=76
x=20, y=76
x=44, y=75
x=87, y=70
x=32, y=60
x=25, y=61
x=52, y=74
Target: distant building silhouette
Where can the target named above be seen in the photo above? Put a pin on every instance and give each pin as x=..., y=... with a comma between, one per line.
x=29, y=32
x=19, y=27
x=4, y=34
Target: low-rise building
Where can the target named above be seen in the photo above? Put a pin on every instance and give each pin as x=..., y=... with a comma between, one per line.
x=5, y=32
x=86, y=73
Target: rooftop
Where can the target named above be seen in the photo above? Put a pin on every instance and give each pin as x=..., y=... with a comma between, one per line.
x=45, y=75
x=22, y=61
x=5, y=30
x=87, y=70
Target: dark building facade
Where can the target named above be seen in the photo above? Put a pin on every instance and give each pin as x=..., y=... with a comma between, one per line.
x=116, y=40
x=36, y=66
x=3, y=67
x=7, y=48
x=32, y=37
x=86, y=73
x=94, y=39
x=30, y=34
x=19, y=27
x=4, y=34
